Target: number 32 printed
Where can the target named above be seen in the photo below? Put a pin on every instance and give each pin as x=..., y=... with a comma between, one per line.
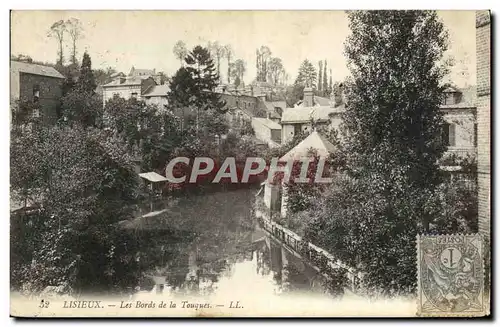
x=44, y=304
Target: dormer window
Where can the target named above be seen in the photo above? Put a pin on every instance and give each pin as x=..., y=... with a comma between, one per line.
x=451, y=96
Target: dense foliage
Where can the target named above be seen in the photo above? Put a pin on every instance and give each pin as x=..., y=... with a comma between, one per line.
x=392, y=187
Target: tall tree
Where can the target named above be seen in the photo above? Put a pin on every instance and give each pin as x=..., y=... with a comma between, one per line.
x=330, y=85
x=307, y=75
x=180, y=51
x=320, y=77
x=275, y=70
x=391, y=127
x=193, y=86
x=263, y=56
x=57, y=31
x=238, y=69
x=228, y=50
x=325, y=81
x=75, y=30
x=86, y=81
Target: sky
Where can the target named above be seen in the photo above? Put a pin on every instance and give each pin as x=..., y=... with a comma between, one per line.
x=145, y=39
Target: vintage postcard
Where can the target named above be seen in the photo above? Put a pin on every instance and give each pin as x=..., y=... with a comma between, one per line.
x=250, y=163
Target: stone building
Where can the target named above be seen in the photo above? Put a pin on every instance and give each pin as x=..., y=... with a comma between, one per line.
x=39, y=84
x=157, y=95
x=128, y=87
x=483, y=55
x=300, y=118
x=459, y=113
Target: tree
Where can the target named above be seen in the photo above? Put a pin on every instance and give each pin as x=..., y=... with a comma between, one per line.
x=80, y=103
x=81, y=107
x=263, y=55
x=103, y=76
x=229, y=54
x=75, y=30
x=180, y=51
x=320, y=77
x=84, y=183
x=192, y=87
x=392, y=144
x=275, y=70
x=217, y=51
x=86, y=82
x=326, y=91
x=238, y=69
x=307, y=75
x=204, y=79
x=57, y=31
x=330, y=85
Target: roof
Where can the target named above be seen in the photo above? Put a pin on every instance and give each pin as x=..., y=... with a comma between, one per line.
x=315, y=141
x=267, y=122
x=126, y=81
x=469, y=98
x=304, y=114
x=317, y=101
x=158, y=91
x=271, y=105
x=137, y=71
x=35, y=69
x=153, y=177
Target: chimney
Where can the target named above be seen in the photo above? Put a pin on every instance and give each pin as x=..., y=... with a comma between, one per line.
x=308, y=97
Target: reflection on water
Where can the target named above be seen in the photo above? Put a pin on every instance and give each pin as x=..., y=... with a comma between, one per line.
x=211, y=244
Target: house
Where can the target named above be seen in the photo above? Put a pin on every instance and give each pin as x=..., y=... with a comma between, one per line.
x=275, y=109
x=266, y=130
x=275, y=195
x=145, y=73
x=128, y=87
x=301, y=118
x=459, y=112
x=141, y=72
x=157, y=95
x=39, y=84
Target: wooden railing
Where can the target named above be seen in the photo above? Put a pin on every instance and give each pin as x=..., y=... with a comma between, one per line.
x=320, y=259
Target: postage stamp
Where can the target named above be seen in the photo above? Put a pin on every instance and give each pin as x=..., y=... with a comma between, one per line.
x=450, y=275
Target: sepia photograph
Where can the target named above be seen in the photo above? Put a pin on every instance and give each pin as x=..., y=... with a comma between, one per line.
x=250, y=163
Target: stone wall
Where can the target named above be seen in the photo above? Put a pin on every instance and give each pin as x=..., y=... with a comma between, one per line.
x=483, y=50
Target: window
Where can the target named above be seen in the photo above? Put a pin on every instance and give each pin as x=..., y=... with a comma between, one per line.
x=36, y=93
x=449, y=134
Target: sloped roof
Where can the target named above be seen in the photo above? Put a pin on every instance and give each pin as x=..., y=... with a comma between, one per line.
x=315, y=141
x=138, y=71
x=271, y=105
x=158, y=91
x=124, y=82
x=469, y=98
x=304, y=114
x=35, y=69
x=153, y=177
x=267, y=122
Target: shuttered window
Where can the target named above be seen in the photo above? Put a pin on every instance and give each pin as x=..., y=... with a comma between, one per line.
x=452, y=135
x=449, y=134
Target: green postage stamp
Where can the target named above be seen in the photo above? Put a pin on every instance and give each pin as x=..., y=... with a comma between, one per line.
x=451, y=275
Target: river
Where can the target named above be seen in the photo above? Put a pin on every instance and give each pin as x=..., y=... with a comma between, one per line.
x=215, y=246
